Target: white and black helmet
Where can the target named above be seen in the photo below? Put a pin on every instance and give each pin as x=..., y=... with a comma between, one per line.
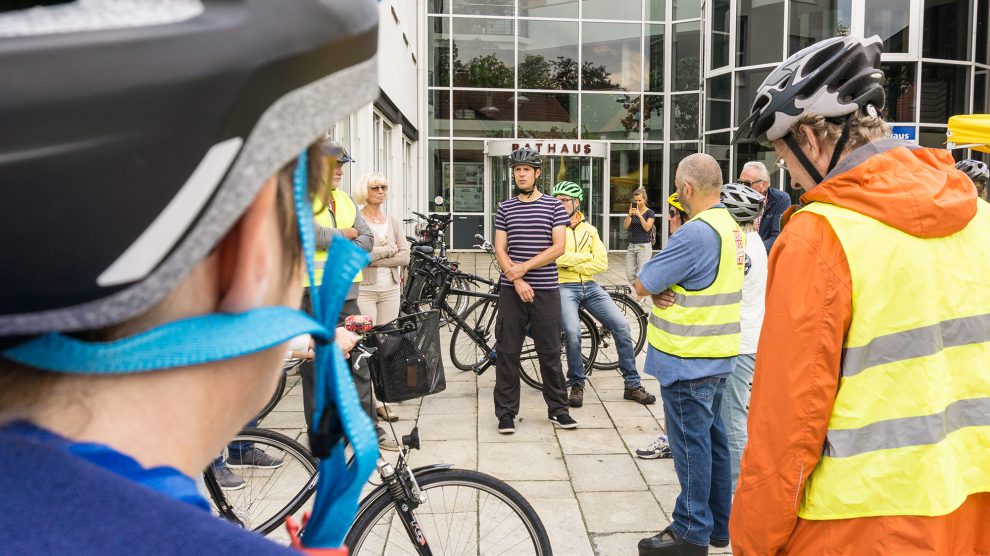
x=975, y=169
x=132, y=142
x=831, y=78
x=743, y=202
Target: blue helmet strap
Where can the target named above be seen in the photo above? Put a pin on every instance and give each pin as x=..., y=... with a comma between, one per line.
x=340, y=483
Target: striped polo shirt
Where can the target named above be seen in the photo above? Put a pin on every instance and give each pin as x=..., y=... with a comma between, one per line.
x=529, y=226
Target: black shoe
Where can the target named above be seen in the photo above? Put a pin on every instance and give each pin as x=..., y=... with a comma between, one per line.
x=564, y=421
x=669, y=543
x=506, y=425
x=576, y=399
x=717, y=543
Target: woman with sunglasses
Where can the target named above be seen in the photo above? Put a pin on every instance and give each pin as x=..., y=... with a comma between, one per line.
x=380, y=289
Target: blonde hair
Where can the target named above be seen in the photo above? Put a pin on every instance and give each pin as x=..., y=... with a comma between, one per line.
x=360, y=195
x=863, y=129
x=640, y=191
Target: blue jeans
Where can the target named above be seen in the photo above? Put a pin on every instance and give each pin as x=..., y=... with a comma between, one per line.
x=701, y=459
x=599, y=304
x=735, y=408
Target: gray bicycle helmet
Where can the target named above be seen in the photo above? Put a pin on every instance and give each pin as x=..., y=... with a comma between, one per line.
x=132, y=141
x=527, y=156
x=743, y=202
x=831, y=78
x=975, y=169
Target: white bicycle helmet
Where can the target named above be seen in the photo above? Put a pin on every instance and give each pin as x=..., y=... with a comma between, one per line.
x=975, y=169
x=742, y=202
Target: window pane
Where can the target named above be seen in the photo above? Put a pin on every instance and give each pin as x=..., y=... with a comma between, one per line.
x=677, y=154
x=653, y=176
x=719, y=96
x=654, y=57
x=468, y=177
x=684, y=117
x=981, y=100
x=717, y=145
x=608, y=116
x=901, y=92
x=815, y=21
x=947, y=31
x=623, y=180
x=932, y=137
x=547, y=115
x=686, y=51
x=720, y=33
x=747, y=82
x=548, y=8
x=653, y=124
x=758, y=24
x=982, y=35
x=483, y=114
x=612, y=59
x=438, y=6
x=439, y=107
x=943, y=92
x=613, y=9
x=439, y=51
x=889, y=19
x=548, y=54
x=483, y=7
x=655, y=10
x=483, y=53
x=687, y=9
x=439, y=156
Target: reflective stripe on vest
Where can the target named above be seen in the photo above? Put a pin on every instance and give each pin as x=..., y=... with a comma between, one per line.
x=909, y=432
x=344, y=217
x=705, y=323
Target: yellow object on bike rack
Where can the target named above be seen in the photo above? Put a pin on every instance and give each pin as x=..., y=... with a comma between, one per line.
x=969, y=131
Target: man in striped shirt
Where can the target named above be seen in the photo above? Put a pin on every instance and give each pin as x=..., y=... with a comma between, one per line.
x=529, y=236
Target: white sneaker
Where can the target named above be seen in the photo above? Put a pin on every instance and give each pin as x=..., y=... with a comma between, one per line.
x=659, y=448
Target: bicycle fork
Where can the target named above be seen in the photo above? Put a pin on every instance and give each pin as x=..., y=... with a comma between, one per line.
x=406, y=494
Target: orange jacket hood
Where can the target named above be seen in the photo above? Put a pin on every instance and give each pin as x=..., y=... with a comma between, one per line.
x=916, y=190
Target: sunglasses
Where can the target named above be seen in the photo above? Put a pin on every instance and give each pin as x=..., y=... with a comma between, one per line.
x=378, y=188
x=748, y=183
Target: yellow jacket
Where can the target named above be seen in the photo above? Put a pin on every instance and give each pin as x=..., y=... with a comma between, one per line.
x=584, y=254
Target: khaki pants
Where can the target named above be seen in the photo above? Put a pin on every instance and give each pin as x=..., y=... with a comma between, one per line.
x=637, y=254
x=381, y=305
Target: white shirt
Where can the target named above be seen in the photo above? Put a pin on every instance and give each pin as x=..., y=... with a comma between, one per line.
x=754, y=292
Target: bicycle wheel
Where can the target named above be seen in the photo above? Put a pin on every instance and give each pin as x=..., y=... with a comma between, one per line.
x=465, y=352
x=276, y=396
x=270, y=494
x=529, y=362
x=457, y=302
x=465, y=512
x=608, y=355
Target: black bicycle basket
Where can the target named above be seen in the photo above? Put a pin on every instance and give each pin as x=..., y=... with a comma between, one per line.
x=408, y=363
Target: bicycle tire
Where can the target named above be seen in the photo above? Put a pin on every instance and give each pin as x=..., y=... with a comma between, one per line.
x=276, y=397
x=465, y=353
x=377, y=523
x=258, y=506
x=529, y=363
x=608, y=356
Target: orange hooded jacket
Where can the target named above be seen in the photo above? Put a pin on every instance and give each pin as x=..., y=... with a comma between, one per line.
x=808, y=311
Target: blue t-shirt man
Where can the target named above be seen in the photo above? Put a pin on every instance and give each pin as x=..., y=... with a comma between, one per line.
x=690, y=259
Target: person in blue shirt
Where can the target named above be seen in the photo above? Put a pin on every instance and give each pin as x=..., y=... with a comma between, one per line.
x=693, y=345
x=154, y=157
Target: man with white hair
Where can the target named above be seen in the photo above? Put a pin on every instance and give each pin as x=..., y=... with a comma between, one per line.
x=755, y=175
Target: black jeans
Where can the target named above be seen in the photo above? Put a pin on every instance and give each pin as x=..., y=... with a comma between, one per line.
x=362, y=377
x=543, y=319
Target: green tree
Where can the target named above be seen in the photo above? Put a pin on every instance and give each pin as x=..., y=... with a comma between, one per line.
x=484, y=71
x=535, y=72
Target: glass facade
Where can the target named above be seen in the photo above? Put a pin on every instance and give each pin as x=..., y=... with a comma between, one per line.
x=661, y=79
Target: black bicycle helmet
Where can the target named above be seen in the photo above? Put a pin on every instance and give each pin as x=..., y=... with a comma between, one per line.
x=133, y=141
x=527, y=156
x=743, y=202
x=831, y=78
x=975, y=169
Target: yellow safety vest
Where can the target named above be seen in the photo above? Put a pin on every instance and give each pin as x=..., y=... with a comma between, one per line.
x=705, y=323
x=910, y=430
x=344, y=217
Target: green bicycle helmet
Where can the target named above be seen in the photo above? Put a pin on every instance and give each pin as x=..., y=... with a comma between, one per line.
x=568, y=188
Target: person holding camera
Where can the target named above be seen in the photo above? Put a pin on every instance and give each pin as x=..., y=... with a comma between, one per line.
x=639, y=222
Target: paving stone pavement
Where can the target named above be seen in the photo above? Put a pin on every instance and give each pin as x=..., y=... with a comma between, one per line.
x=592, y=493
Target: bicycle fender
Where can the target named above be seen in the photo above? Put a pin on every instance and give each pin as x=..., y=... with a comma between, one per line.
x=419, y=471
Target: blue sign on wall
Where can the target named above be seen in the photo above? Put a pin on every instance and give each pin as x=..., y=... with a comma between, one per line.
x=907, y=132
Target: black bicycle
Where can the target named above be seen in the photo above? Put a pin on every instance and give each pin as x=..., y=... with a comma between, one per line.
x=434, y=509
x=269, y=494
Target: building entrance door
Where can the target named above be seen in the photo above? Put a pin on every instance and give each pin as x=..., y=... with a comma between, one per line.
x=587, y=168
